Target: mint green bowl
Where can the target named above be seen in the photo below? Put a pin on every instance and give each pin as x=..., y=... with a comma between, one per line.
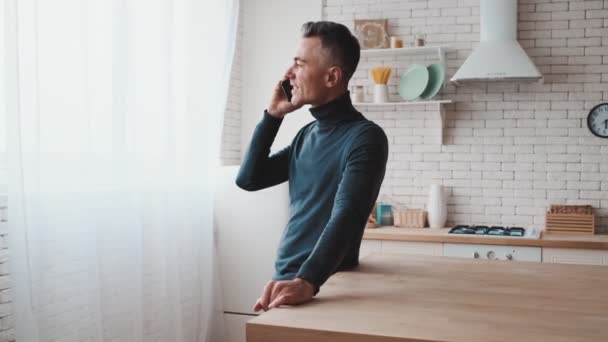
x=436, y=75
x=413, y=82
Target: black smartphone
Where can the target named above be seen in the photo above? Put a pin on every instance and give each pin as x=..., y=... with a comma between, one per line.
x=286, y=86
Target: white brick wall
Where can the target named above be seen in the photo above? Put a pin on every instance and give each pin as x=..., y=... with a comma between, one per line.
x=231, y=134
x=510, y=149
x=7, y=332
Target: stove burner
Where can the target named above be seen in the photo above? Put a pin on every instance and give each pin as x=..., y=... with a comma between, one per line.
x=485, y=230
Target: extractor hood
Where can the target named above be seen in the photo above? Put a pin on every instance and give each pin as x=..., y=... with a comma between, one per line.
x=499, y=57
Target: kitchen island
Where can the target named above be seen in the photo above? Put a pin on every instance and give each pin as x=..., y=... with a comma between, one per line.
x=395, y=297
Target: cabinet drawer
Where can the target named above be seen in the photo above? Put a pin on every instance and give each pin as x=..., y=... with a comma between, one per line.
x=575, y=256
x=418, y=248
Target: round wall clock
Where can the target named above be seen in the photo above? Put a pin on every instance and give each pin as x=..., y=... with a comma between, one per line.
x=597, y=120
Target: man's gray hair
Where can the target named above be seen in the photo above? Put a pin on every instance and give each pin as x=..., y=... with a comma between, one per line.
x=337, y=39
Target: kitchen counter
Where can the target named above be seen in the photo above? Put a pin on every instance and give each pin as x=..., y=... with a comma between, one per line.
x=395, y=297
x=441, y=235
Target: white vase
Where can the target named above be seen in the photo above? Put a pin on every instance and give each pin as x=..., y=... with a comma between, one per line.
x=437, y=207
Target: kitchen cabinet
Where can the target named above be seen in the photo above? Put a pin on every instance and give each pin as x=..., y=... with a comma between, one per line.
x=550, y=248
x=575, y=256
x=417, y=248
x=485, y=251
x=401, y=247
x=492, y=252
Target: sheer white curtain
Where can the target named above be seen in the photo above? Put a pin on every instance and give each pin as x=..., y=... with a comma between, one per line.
x=115, y=109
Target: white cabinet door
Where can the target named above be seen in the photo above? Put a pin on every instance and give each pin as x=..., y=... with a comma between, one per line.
x=235, y=327
x=408, y=247
x=575, y=256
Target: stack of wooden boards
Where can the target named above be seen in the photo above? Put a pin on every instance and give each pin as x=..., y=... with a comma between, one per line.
x=570, y=219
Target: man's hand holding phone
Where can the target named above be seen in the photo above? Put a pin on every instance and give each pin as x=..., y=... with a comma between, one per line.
x=280, y=103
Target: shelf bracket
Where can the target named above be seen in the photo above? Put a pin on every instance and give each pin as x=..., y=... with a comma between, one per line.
x=441, y=52
x=441, y=122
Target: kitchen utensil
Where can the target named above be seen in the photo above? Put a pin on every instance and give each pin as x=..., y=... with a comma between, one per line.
x=413, y=82
x=436, y=76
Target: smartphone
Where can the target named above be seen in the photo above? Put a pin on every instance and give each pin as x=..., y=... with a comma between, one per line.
x=286, y=86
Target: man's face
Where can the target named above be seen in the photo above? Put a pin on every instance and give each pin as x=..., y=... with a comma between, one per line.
x=308, y=74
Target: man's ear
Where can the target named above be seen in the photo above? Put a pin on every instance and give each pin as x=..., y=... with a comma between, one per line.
x=334, y=76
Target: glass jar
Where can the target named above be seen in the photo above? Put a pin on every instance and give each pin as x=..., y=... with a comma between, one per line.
x=419, y=39
x=357, y=94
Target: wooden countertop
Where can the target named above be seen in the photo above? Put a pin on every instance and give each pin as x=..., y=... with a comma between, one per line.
x=393, y=297
x=441, y=235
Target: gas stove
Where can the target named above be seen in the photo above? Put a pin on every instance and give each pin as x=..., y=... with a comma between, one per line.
x=496, y=231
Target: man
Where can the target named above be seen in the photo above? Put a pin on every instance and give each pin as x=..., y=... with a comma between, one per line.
x=335, y=166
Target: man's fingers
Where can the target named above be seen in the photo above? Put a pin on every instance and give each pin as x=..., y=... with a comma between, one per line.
x=257, y=306
x=280, y=300
x=285, y=292
x=265, y=299
x=276, y=290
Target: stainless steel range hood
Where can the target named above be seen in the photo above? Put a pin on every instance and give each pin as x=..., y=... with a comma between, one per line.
x=499, y=57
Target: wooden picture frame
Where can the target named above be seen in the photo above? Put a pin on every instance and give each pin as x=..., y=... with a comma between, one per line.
x=372, y=33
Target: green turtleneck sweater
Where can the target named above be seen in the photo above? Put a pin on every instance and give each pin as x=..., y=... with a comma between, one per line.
x=335, y=166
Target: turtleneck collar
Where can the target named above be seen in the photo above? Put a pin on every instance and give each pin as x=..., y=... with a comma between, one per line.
x=336, y=111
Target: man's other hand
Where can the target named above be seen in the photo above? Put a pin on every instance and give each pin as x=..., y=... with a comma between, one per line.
x=284, y=292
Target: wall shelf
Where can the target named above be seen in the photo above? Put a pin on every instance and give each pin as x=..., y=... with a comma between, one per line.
x=405, y=103
x=438, y=103
x=439, y=50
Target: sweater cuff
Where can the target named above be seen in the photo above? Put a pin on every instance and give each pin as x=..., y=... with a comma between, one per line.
x=309, y=278
x=270, y=118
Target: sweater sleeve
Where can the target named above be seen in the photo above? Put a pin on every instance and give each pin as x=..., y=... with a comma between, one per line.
x=354, y=199
x=259, y=169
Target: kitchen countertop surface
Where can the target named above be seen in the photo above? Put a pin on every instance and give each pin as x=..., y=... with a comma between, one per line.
x=441, y=235
x=393, y=297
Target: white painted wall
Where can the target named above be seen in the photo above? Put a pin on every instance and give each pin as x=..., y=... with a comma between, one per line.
x=271, y=33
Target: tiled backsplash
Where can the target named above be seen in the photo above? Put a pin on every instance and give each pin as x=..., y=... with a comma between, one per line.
x=510, y=149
